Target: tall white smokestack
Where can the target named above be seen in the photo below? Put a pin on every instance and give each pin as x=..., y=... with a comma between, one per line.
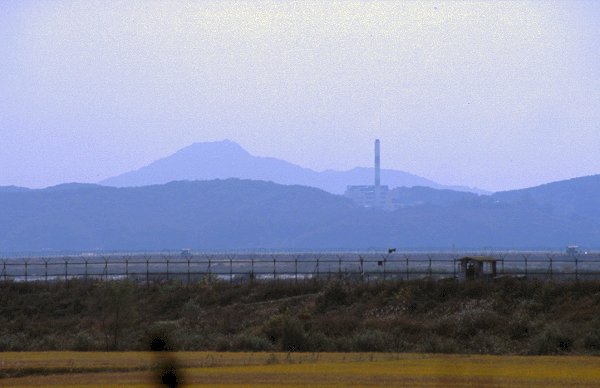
x=377, y=164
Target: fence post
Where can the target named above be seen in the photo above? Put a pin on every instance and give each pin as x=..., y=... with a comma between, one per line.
x=86, y=270
x=147, y=272
x=361, y=268
x=46, y=270
x=127, y=269
x=105, y=270
x=188, y=271
x=551, y=269
x=406, y=257
x=4, y=269
x=429, y=269
x=454, y=261
x=230, y=270
x=384, y=264
x=576, y=269
x=167, y=260
x=296, y=270
x=526, y=269
x=339, y=267
x=252, y=270
x=318, y=269
x=210, y=270
x=66, y=269
x=26, y=264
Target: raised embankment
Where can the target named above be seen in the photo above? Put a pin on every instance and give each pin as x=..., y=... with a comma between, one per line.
x=505, y=316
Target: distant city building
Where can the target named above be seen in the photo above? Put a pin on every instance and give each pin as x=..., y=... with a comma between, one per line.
x=373, y=196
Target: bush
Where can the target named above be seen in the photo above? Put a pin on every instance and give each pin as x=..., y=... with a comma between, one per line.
x=195, y=342
x=591, y=341
x=318, y=342
x=222, y=344
x=162, y=331
x=336, y=324
x=293, y=337
x=273, y=328
x=437, y=344
x=335, y=294
x=342, y=344
x=191, y=311
x=486, y=343
x=250, y=343
x=519, y=326
x=372, y=341
x=472, y=321
x=12, y=342
x=85, y=342
x=554, y=339
x=49, y=342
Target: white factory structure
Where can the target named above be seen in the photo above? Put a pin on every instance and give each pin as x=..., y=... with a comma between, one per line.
x=373, y=196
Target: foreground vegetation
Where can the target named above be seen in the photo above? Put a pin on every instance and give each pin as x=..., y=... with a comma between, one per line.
x=508, y=316
x=109, y=369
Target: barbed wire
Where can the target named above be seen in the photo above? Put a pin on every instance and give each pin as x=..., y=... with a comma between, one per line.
x=240, y=267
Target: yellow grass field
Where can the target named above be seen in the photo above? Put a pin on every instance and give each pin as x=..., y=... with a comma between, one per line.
x=212, y=369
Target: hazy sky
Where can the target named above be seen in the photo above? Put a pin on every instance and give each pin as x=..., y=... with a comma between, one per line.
x=494, y=95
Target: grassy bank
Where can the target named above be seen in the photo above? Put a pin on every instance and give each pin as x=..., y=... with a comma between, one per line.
x=509, y=316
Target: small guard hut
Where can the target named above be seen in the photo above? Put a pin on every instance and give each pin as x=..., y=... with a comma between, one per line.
x=477, y=267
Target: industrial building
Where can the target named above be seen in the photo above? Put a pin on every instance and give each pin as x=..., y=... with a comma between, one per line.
x=376, y=195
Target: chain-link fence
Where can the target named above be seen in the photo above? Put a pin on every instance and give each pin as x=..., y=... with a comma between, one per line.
x=190, y=268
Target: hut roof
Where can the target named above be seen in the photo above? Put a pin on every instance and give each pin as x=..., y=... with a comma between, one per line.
x=481, y=259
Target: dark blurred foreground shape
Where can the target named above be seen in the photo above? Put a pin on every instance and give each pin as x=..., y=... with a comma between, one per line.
x=167, y=372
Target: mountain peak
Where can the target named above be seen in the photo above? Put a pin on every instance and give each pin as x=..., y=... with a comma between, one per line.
x=226, y=159
x=224, y=146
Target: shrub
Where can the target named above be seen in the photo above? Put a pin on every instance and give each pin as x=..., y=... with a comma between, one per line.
x=12, y=342
x=342, y=344
x=486, y=343
x=372, y=341
x=437, y=344
x=273, y=327
x=193, y=341
x=191, y=311
x=222, y=344
x=293, y=337
x=84, y=342
x=334, y=294
x=519, y=326
x=472, y=321
x=554, y=339
x=160, y=330
x=591, y=341
x=318, y=342
x=400, y=342
x=250, y=343
x=116, y=305
x=336, y=324
x=545, y=296
x=49, y=342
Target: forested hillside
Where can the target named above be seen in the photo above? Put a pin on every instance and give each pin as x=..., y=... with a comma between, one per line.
x=241, y=214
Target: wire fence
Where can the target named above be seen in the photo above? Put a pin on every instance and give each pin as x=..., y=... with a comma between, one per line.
x=236, y=268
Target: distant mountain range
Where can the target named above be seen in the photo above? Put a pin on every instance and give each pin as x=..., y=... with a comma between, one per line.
x=577, y=197
x=226, y=159
x=244, y=214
